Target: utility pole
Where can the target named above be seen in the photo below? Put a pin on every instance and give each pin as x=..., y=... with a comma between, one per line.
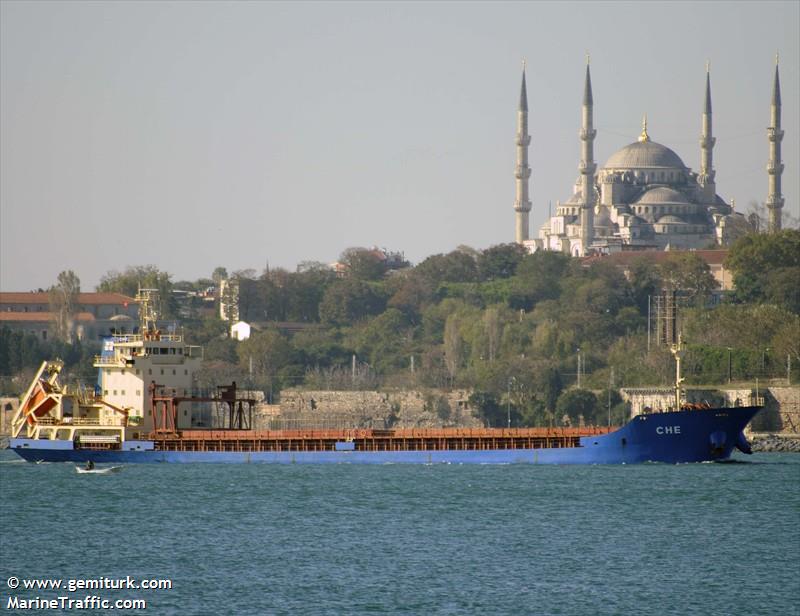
x=579, y=368
x=648, y=323
x=353, y=369
x=729, y=364
x=508, y=402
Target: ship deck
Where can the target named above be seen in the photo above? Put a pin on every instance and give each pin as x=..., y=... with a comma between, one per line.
x=480, y=439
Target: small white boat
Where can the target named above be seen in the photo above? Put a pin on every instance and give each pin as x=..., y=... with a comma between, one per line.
x=98, y=471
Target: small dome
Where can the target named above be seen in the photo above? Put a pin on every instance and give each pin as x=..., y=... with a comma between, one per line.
x=120, y=317
x=644, y=155
x=662, y=195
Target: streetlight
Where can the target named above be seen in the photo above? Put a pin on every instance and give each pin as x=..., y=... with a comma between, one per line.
x=508, y=402
x=579, y=368
x=729, y=364
x=764, y=361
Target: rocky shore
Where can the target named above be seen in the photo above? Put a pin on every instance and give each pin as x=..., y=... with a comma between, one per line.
x=775, y=443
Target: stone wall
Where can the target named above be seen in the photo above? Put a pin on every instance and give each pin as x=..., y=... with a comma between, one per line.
x=8, y=406
x=369, y=409
x=781, y=412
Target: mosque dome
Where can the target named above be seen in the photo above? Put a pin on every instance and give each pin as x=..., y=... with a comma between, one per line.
x=645, y=155
x=661, y=195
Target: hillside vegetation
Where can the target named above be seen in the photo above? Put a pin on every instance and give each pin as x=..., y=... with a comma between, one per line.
x=509, y=326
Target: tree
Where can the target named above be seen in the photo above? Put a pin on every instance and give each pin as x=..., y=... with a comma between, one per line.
x=348, y=300
x=762, y=264
x=456, y=266
x=488, y=407
x=383, y=341
x=577, y=404
x=363, y=264
x=644, y=282
x=493, y=331
x=500, y=261
x=138, y=277
x=219, y=273
x=538, y=277
x=269, y=352
x=63, y=304
x=247, y=294
x=453, y=346
x=690, y=274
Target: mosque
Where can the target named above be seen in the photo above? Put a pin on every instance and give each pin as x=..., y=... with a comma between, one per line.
x=644, y=197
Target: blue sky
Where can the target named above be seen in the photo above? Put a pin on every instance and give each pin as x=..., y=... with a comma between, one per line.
x=192, y=135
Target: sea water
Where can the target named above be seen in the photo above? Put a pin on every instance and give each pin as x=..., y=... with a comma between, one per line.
x=410, y=539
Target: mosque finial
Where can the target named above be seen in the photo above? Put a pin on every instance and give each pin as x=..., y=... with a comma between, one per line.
x=524, y=64
x=644, y=137
x=587, y=86
x=707, y=102
x=777, y=58
x=776, y=85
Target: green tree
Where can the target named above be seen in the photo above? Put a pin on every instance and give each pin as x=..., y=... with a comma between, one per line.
x=363, y=264
x=766, y=266
x=500, y=261
x=138, y=277
x=689, y=274
x=64, y=304
x=219, y=273
x=384, y=341
x=644, y=282
x=320, y=347
x=270, y=354
x=577, y=404
x=456, y=266
x=538, y=277
x=488, y=407
x=349, y=300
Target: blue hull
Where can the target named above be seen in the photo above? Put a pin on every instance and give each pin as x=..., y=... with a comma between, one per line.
x=674, y=437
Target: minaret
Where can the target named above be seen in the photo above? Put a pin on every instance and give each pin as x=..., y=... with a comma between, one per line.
x=587, y=166
x=522, y=205
x=775, y=166
x=706, y=175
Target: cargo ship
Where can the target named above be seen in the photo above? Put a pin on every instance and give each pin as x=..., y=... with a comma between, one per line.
x=140, y=411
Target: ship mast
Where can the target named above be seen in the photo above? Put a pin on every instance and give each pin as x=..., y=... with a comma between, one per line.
x=147, y=310
x=678, y=351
